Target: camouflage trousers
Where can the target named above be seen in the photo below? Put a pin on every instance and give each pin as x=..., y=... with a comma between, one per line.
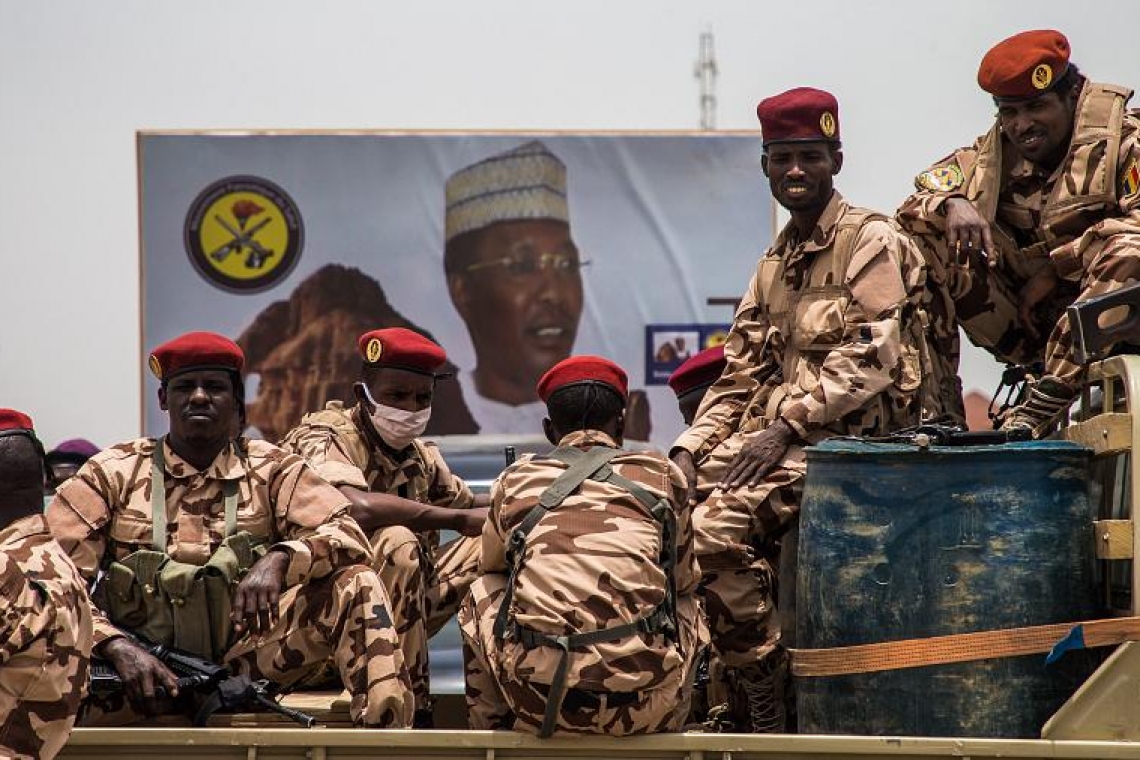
x=343, y=617
x=426, y=585
x=498, y=699
x=984, y=301
x=733, y=533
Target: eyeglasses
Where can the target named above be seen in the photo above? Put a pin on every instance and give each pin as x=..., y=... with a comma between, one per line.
x=527, y=266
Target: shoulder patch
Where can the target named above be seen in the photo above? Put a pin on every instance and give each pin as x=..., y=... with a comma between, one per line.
x=941, y=179
x=1130, y=182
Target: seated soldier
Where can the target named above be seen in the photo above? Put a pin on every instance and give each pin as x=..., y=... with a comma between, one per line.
x=45, y=614
x=585, y=620
x=401, y=490
x=690, y=381
x=285, y=590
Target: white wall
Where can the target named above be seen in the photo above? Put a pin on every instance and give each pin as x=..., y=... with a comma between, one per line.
x=78, y=77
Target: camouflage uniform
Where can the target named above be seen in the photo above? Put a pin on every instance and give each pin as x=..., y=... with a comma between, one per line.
x=599, y=551
x=1085, y=217
x=46, y=641
x=425, y=581
x=826, y=338
x=332, y=607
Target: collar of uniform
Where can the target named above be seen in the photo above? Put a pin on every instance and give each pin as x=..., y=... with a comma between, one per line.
x=584, y=439
x=824, y=233
x=1025, y=169
x=22, y=528
x=226, y=465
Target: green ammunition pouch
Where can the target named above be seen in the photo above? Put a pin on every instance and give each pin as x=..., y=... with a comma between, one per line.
x=174, y=603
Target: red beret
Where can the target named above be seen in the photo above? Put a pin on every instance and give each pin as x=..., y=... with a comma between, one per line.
x=583, y=369
x=698, y=372
x=1024, y=65
x=401, y=349
x=803, y=113
x=195, y=350
x=13, y=423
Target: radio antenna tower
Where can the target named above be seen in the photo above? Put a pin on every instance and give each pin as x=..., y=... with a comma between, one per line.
x=705, y=73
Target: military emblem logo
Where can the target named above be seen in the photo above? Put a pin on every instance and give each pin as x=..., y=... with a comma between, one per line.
x=155, y=367
x=373, y=350
x=1042, y=76
x=941, y=179
x=243, y=234
x=827, y=124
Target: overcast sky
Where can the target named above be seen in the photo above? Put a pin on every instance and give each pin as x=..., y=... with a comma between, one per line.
x=78, y=78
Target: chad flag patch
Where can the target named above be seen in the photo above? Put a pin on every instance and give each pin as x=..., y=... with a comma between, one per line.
x=1131, y=181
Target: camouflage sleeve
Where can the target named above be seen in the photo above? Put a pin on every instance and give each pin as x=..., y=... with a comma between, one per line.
x=313, y=517
x=1073, y=259
x=76, y=517
x=867, y=358
x=326, y=453
x=750, y=360
x=447, y=489
x=923, y=213
x=24, y=615
x=493, y=558
x=688, y=573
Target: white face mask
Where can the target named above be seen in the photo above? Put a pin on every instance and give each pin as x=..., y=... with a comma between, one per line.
x=397, y=427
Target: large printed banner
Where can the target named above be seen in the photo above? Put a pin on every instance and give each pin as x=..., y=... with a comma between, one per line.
x=510, y=250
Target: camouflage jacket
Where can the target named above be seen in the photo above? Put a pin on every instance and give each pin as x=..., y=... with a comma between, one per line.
x=1094, y=193
x=591, y=563
x=45, y=640
x=825, y=338
x=104, y=512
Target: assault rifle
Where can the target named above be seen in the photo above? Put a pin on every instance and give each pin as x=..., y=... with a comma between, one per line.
x=934, y=434
x=223, y=690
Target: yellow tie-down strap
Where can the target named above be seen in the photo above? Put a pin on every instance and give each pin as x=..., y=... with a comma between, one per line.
x=1056, y=639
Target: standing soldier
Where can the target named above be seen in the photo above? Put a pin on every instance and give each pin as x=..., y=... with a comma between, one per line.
x=1040, y=211
x=401, y=490
x=826, y=342
x=45, y=633
x=585, y=620
x=284, y=591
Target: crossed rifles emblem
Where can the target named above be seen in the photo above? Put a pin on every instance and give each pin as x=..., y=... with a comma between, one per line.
x=243, y=239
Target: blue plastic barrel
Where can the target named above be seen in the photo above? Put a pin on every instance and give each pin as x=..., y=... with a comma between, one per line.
x=900, y=543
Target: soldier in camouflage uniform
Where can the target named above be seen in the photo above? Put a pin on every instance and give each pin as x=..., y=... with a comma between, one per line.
x=825, y=342
x=401, y=490
x=45, y=613
x=1040, y=211
x=585, y=620
x=199, y=496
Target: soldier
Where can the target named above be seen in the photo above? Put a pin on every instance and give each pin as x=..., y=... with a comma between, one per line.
x=45, y=633
x=65, y=460
x=284, y=590
x=585, y=619
x=1039, y=212
x=401, y=490
x=690, y=381
x=824, y=343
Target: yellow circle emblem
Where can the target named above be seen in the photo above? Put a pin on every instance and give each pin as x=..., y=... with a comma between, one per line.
x=827, y=124
x=155, y=367
x=373, y=350
x=1042, y=76
x=243, y=234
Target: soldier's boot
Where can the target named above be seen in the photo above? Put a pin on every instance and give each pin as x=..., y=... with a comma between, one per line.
x=762, y=687
x=1045, y=400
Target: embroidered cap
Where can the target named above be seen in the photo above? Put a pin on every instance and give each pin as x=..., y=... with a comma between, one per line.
x=196, y=351
x=579, y=370
x=698, y=372
x=800, y=114
x=400, y=348
x=1025, y=65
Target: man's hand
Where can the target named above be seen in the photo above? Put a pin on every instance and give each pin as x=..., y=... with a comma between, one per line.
x=470, y=522
x=1033, y=292
x=142, y=673
x=684, y=460
x=968, y=233
x=255, y=600
x=759, y=455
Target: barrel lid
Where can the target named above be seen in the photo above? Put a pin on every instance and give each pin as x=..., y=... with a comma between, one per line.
x=861, y=447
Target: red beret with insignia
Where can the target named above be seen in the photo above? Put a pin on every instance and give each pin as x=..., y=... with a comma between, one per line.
x=698, y=372
x=14, y=423
x=800, y=114
x=1024, y=65
x=400, y=348
x=578, y=370
x=195, y=351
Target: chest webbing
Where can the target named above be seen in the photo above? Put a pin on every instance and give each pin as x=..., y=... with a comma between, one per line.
x=158, y=499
